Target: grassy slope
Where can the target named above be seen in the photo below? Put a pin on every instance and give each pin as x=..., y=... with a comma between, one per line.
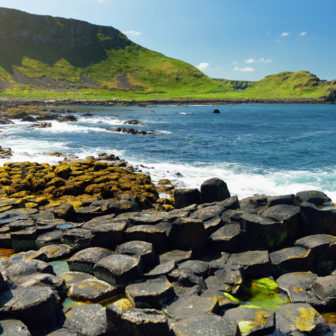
x=235, y=84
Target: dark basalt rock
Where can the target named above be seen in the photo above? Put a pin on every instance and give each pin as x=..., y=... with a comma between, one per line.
x=213, y=225
x=156, y=293
x=277, y=200
x=3, y=284
x=226, y=239
x=72, y=278
x=67, y=118
x=187, y=283
x=140, y=249
x=216, y=261
x=255, y=263
x=324, y=251
x=79, y=238
x=300, y=295
x=21, y=225
x=29, y=119
x=186, y=197
x=325, y=289
x=56, y=252
x=207, y=213
x=210, y=325
x=177, y=256
x=224, y=302
x=5, y=121
x=41, y=125
x=197, y=267
x=302, y=280
x=312, y=196
x=161, y=269
x=129, y=131
x=88, y=320
x=216, y=111
x=36, y=307
x=192, y=306
x=144, y=322
x=214, y=190
x=13, y=328
x=118, y=270
x=49, y=238
x=58, y=332
x=24, y=240
x=133, y=122
x=300, y=319
x=231, y=203
x=252, y=321
x=84, y=261
x=292, y=259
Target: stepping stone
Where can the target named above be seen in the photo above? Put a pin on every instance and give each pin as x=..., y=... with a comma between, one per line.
x=251, y=320
x=224, y=302
x=30, y=255
x=255, y=263
x=214, y=190
x=148, y=220
x=292, y=259
x=84, y=261
x=207, y=213
x=92, y=290
x=72, y=278
x=300, y=319
x=134, y=321
x=312, y=196
x=98, y=221
x=304, y=295
x=161, y=269
x=187, y=283
x=157, y=293
x=231, y=203
x=149, y=233
x=77, y=237
x=226, y=239
x=21, y=225
x=36, y=307
x=302, y=280
x=49, y=238
x=325, y=289
x=87, y=320
x=217, y=261
x=177, y=256
x=108, y=235
x=277, y=200
x=210, y=325
x=192, y=306
x=13, y=328
x=213, y=225
x=317, y=221
x=260, y=232
x=186, y=197
x=118, y=270
x=199, y=268
x=187, y=234
x=290, y=215
x=24, y=240
x=323, y=249
x=141, y=249
x=55, y=252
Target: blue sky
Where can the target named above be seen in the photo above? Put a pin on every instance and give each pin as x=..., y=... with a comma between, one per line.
x=236, y=39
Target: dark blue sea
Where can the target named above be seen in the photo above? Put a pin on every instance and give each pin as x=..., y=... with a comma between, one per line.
x=256, y=149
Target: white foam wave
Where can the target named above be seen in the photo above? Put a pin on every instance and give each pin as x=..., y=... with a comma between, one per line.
x=163, y=132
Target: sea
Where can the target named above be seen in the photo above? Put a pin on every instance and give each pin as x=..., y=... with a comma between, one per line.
x=256, y=149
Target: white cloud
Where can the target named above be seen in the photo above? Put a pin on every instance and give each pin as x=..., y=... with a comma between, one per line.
x=262, y=60
x=234, y=62
x=284, y=34
x=247, y=69
x=303, y=33
x=132, y=32
x=203, y=66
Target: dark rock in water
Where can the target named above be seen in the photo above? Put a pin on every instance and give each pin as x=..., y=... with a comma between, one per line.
x=197, y=267
x=185, y=197
x=324, y=251
x=302, y=280
x=214, y=190
x=252, y=321
x=29, y=119
x=216, y=111
x=226, y=239
x=276, y=200
x=312, y=196
x=134, y=321
x=156, y=293
x=224, y=302
x=288, y=214
x=5, y=121
x=141, y=249
x=260, y=232
x=210, y=325
x=118, y=270
x=91, y=290
x=133, y=122
x=87, y=114
x=129, y=131
x=13, y=328
x=292, y=259
x=67, y=118
x=300, y=319
x=317, y=221
x=161, y=269
x=325, y=289
x=187, y=234
x=88, y=320
x=41, y=125
x=192, y=306
x=36, y=307
x=72, y=278
x=84, y=261
x=47, y=116
x=255, y=263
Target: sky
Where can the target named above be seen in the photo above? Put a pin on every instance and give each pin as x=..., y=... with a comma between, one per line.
x=231, y=39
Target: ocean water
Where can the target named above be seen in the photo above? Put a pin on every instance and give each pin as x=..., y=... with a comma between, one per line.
x=255, y=149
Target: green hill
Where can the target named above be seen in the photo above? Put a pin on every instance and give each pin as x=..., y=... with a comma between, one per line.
x=63, y=55
x=237, y=85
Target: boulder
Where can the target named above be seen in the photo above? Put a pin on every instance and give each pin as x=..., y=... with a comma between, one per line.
x=214, y=190
x=325, y=289
x=133, y=122
x=256, y=264
x=216, y=111
x=312, y=196
x=252, y=321
x=199, y=268
x=185, y=197
x=24, y=240
x=302, y=280
x=226, y=239
x=300, y=319
x=56, y=252
x=118, y=270
x=72, y=278
x=277, y=200
x=29, y=119
x=13, y=328
x=67, y=118
x=186, y=283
